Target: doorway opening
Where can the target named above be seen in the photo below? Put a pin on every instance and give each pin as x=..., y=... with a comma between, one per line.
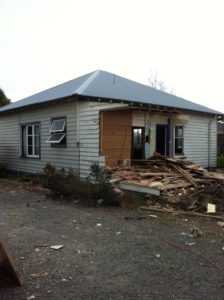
x=138, y=140
x=162, y=139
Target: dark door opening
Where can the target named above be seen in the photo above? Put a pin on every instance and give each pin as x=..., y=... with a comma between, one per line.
x=162, y=139
x=138, y=136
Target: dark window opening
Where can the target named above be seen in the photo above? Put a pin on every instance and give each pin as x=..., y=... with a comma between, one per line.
x=138, y=135
x=178, y=140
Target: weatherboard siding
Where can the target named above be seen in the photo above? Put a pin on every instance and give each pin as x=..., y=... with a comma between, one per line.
x=60, y=157
x=138, y=119
x=89, y=133
x=83, y=136
x=197, y=147
x=9, y=139
x=196, y=140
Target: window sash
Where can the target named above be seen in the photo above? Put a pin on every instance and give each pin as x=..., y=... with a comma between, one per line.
x=32, y=140
x=56, y=138
x=178, y=140
x=57, y=125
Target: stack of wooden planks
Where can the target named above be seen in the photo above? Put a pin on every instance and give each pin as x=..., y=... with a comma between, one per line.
x=178, y=181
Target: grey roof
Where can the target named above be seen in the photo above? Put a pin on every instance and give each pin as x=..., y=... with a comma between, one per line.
x=103, y=84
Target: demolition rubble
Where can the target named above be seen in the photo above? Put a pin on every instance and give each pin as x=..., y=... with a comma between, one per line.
x=177, y=183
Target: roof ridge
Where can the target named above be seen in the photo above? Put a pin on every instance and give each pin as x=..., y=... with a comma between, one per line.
x=86, y=83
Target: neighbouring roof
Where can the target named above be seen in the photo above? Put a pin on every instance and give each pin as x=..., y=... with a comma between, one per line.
x=105, y=85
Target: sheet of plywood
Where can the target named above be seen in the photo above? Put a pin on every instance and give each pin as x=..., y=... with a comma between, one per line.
x=115, y=136
x=8, y=264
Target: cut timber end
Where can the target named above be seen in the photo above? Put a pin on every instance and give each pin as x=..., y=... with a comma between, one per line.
x=137, y=188
x=7, y=263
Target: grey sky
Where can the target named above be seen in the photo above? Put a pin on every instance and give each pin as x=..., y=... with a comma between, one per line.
x=46, y=42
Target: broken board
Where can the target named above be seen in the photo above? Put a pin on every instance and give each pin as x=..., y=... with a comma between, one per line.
x=137, y=188
x=8, y=264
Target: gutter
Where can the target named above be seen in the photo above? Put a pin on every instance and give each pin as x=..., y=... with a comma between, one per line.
x=132, y=104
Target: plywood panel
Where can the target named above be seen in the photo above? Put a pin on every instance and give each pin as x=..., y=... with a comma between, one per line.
x=115, y=136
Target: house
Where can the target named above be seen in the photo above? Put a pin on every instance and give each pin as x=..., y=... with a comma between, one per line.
x=104, y=118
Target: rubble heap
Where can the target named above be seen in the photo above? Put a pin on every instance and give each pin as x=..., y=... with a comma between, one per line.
x=182, y=184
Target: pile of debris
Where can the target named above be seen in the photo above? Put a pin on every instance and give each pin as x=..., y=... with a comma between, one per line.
x=178, y=183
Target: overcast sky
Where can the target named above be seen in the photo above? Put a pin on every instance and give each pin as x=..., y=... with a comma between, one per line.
x=47, y=42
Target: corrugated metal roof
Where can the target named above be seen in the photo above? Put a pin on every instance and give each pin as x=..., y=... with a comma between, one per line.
x=103, y=84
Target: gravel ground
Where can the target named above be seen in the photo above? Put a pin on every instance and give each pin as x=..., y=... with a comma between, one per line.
x=108, y=253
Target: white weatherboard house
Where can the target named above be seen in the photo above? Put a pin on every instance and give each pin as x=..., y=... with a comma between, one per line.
x=104, y=118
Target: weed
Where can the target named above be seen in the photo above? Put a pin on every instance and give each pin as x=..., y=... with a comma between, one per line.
x=69, y=185
x=3, y=169
x=220, y=161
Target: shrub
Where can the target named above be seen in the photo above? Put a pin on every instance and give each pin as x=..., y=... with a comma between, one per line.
x=100, y=187
x=69, y=185
x=3, y=169
x=220, y=161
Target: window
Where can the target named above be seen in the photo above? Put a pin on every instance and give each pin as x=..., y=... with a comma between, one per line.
x=178, y=140
x=58, y=132
x=30, y=140
x=57, y=125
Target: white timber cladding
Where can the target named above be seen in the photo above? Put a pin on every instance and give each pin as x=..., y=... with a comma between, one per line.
x=89, y=133
x=83, y=136
x=60, y=157
x=200, y=134
x=200, y=140
x=155, y=119
x=138, y=119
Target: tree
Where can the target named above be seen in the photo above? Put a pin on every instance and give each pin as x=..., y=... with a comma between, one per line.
x=3, y=99
x=158, y=84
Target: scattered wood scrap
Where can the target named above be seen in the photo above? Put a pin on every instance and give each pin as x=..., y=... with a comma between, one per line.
x=186, y=175
x=157, y=174
x=181, y=183
x=188, y=213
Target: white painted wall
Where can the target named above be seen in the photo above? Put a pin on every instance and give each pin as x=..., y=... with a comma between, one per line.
x=199, y=145
x=138, y=119
x=90, y=135
x=83, y=136
x=60, y=157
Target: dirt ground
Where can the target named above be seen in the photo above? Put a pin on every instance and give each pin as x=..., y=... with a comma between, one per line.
x=108, y=253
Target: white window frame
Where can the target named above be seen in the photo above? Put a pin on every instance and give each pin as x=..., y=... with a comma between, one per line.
x=55, y=141
x=175, y=138
x=58, y=130
x=62, y=130
x=33, y=144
